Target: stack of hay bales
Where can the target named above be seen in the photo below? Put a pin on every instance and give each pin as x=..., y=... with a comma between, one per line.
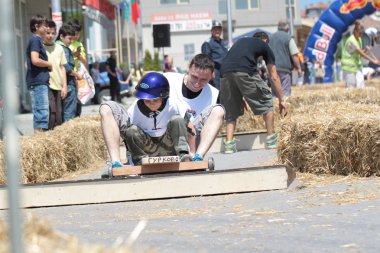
x=70, y=147
x=334, y=130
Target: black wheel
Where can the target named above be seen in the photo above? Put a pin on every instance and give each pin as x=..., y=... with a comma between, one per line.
x=211, y=164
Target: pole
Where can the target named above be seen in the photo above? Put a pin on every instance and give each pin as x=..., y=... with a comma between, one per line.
x=120, y=37
x=136, y=47
x=229, y=23
x=8, y=81
x=291, y=18
x=128, y=46
x=117, y=37
x=56, y=13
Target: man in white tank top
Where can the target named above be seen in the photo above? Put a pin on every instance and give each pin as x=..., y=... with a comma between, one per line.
x=155, y=125
x=194, y=91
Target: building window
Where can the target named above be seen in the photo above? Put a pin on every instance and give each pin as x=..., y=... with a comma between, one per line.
x=174, y=1
x=189, y=51
x=247, y=4
x=222, y=6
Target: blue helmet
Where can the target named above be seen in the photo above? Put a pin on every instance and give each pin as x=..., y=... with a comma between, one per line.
x=152, y=85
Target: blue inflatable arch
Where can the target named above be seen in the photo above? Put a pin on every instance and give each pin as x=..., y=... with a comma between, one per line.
x=324, y=37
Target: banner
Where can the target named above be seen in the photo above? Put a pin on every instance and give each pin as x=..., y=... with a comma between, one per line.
x=324, y=37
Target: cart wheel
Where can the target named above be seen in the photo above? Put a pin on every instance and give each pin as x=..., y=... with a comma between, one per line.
x=211, y=164
x=107, y=174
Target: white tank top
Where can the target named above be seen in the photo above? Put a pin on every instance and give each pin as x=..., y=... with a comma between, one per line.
x=204, y=100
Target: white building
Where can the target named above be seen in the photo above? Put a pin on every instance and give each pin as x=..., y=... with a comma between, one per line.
x=190, y=21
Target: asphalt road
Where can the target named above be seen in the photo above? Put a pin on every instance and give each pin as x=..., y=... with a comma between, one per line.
x=329, y=214
x=315, y=214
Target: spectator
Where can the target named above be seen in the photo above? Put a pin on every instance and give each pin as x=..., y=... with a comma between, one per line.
x=79, y=53
x=137, y=72
x=215, y=49
x=286, y=53
x=65, y=38
x=57, y=81
x=37, y=76
x=95, y=74
x=168, y=64
x=352, y=58
x=114, y=81
x=319, y=72
x=306, y=74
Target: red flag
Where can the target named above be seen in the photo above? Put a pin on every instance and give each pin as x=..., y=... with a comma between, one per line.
x=135, y=11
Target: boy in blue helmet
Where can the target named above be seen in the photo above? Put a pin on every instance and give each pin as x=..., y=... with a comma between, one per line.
x=153, y=126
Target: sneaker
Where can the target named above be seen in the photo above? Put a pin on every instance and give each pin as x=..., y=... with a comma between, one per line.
x=107, y=172
x=272, y=141
x=184, y=157
x=197, y=158
x=230, y=146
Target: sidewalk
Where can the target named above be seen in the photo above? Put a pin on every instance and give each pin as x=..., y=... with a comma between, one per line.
x=25, y=121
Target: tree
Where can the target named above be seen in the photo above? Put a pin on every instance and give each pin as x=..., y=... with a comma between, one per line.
x=148, y=62
x=156, y=62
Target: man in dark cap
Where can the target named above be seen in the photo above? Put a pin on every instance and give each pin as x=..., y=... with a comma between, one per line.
x=215, y=49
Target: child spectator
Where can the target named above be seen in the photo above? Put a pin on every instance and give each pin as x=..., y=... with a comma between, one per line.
x=65, y=38
x=79, y=53
x=319, y=72
x=37, y=76
x=57, y=81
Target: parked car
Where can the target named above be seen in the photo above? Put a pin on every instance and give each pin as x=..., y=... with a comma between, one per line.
x=102, y=88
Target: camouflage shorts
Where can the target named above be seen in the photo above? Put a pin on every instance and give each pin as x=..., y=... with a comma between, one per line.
x=200, y=120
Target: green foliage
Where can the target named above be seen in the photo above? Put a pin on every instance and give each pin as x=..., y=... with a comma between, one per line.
x=151, y=64
x=148, y=61
x=156, y=62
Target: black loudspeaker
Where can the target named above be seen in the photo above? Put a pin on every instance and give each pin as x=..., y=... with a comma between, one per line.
x=161, y=35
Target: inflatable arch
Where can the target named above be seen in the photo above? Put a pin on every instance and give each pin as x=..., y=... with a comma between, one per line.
x=333, y=23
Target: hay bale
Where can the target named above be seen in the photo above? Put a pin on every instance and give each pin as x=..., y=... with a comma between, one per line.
x=309, y=95
x=40, y=237
x=72, y=146
x=335, y=138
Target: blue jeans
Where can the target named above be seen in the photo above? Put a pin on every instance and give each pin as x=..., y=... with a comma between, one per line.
x=70, y=103
x=40, y=105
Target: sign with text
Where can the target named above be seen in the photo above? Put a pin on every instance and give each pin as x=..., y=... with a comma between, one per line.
x=184, y=21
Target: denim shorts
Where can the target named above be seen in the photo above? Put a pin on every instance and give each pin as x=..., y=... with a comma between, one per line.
x=40, y=105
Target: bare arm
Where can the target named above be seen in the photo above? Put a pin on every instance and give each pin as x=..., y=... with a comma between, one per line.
x=297, y=64
x=35, y=58
x=64, y=82
x=372, y=58
x=126, y=81
x=276, y=84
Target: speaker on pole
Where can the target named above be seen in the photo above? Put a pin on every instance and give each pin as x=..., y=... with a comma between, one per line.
x=161, y=35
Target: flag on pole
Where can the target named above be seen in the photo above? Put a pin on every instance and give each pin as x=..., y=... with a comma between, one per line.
x=135, y=11
x=127, y=10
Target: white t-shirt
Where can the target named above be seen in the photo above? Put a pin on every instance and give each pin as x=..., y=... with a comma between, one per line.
x=196, y=106
x=156, y=124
